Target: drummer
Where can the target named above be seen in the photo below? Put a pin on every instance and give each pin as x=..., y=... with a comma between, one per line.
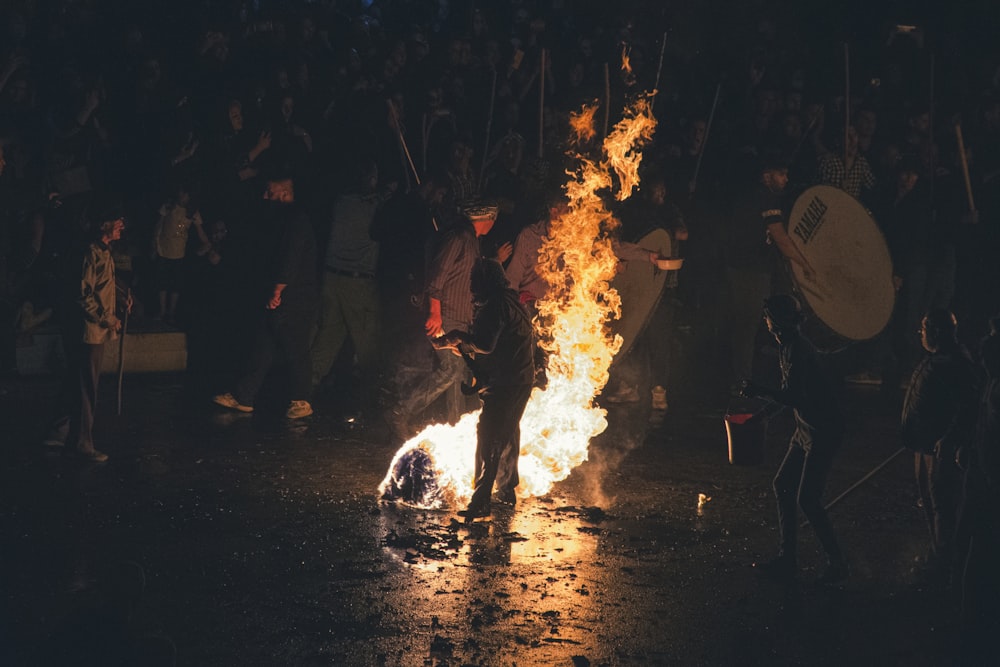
x=756, y=226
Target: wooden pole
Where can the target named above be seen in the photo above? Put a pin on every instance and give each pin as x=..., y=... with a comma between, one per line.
x=858, y=483
x=659, y=71
x=965, y=167
x=121, y=348
x=541, y=108
x=402, y=142
x=930, y=130
x=489, y=127
x=708, y=130
x=607, y=98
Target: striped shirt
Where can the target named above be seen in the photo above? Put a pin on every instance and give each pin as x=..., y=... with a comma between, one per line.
x=450, y=276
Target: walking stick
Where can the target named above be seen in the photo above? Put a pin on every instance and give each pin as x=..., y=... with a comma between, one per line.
x=121, y=350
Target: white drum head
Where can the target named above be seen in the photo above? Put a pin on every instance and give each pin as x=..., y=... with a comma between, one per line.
x=853, y=293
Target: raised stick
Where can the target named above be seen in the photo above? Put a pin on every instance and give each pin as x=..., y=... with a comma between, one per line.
x=402, y=142
x=489, y=127
x=708, y=130
x=541, y=108
x=607, y=98
x=659, y=70
x=847, y=99
x=965, y=166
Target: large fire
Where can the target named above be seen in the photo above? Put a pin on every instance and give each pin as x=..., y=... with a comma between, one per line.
x=435, y=468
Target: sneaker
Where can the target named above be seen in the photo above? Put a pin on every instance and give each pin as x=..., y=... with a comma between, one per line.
x=227, y=400
x=91, y=455
x=659, y=398
x=834, y=574
x=781, y=569
x=298, y=410
x=624, y=394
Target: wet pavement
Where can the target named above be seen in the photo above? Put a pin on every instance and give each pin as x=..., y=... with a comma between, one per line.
x=217, y=539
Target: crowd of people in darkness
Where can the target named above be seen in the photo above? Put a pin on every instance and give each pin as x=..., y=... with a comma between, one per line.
x=370, y=127
x=391, y=116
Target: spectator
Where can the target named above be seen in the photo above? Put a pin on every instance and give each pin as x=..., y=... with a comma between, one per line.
x=170, y=242
x=938, y=420
x=350, y=307
x=291, y=305
x=95, y=322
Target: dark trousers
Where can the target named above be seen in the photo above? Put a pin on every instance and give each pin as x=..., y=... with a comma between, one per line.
x=285, y=332
x=800, y=481
x=938, y=484
x=498, y=444
x=81, y=420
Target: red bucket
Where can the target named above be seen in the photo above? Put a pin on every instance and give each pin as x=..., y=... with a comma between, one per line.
x=746, y=432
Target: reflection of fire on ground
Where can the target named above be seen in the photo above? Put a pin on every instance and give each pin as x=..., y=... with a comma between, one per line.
x=533, y=576
x=435, y=468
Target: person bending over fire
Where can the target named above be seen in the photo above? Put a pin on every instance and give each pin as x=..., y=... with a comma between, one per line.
x=499, y=349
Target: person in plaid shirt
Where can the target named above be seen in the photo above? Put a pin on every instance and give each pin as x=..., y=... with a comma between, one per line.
x=855, y=176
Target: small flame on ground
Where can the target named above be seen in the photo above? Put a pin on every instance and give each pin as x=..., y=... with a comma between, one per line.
x=578, y=263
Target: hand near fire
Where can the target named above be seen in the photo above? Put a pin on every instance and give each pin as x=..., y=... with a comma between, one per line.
x=448, y=341
x=433, y=326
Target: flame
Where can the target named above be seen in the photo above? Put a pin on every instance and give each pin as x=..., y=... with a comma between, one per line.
x=626, y=64
x=577, y=261
x=582, y=124
x=621, y=146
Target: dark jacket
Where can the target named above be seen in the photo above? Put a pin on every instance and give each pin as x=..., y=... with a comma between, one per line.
x=808, y=388
x=499, y=345
x=940, y=402
x=295, y=260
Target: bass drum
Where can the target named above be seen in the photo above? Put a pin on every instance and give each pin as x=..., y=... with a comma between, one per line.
x=640, y=287
x=852, y=295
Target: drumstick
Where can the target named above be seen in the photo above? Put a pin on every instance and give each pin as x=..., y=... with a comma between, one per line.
x=965, y=166
x=847, y=100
